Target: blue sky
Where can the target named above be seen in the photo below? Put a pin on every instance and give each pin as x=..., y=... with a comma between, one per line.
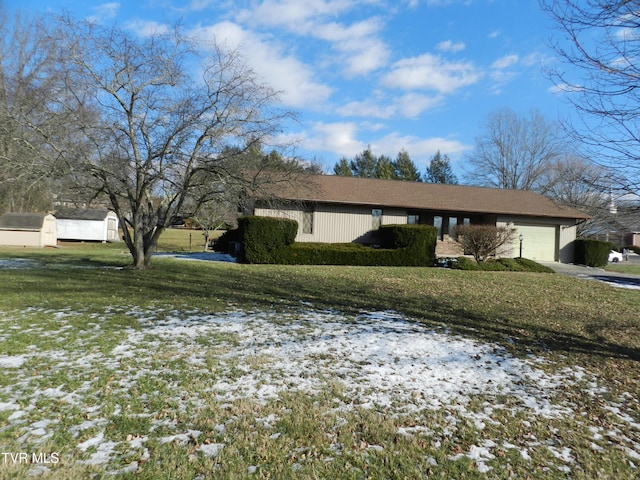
x=416, y=74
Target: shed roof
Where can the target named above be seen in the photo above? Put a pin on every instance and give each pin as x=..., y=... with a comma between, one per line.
x=22, y=221
x=423, y=196
x=82, y=214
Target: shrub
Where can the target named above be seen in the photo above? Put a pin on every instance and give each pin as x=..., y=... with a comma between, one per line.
x=223, y=242
x=482, y=241
x=404, y=245
x=464, y=263
x=593, y=253
x=491, y=266
x=271, y=240
x=264, y=239
x=501, y=265
x=506, y=264
x=531, y=266
x=336, y=254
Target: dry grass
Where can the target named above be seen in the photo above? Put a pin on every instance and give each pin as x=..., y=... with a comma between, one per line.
x=73, y=300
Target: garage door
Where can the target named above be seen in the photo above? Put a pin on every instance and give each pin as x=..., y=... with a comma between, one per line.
x=538, y=242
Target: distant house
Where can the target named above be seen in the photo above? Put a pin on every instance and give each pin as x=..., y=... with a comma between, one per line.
x=334, y=209
x=28, y=230
x=632, y=239
x=91, y=225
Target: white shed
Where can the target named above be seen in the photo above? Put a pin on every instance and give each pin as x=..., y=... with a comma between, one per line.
x=28, y=230
x=92, y=225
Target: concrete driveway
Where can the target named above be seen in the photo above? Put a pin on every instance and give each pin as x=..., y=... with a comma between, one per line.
x=623, y=280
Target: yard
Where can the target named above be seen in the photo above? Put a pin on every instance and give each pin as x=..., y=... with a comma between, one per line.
x=199, y=370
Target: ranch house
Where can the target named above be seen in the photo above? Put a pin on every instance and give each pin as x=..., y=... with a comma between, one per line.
x=335, y=209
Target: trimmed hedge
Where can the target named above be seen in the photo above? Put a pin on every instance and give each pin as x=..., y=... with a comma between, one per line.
x=500, y=265
x=271, y=240
x=223, y=242
x=592, y=253
x=264, y=239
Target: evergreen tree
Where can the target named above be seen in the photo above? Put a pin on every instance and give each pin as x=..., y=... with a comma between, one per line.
x=440, y=171
x=367, y=165
x=385, y=168
x=364, y=164
x=342, y=168
x=405, y=169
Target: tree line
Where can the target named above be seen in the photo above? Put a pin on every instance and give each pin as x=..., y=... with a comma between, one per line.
x=163, y=125
x=368, y=165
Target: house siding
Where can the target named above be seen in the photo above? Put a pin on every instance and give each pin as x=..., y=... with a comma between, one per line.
x=336, y=223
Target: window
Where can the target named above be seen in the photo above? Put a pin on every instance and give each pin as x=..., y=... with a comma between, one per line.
x=437, y=222
x=413, y=219
x=307, y=221
x=453, y=223
x=376, y=218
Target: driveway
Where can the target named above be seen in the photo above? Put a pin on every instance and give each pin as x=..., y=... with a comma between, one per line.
x=623, y=280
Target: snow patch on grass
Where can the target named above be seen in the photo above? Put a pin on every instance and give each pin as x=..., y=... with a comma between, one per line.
x=375, y=360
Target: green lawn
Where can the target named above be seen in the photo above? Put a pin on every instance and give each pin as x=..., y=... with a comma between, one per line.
x=624, y=268
x=215, y=370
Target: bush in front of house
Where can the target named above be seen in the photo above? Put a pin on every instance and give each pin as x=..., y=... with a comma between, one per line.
x=336, y=254
x=531, y=266
x=592, y=253
x=464, y=263
x=223, y=242
x=264, y=239
x=402, y=245
x=500, y=265
x=483, y=241
x=271, y=240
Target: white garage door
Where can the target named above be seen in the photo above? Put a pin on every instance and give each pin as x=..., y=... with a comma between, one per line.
x=538, y=242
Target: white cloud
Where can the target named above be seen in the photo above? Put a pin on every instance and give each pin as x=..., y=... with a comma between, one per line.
x=505, y=62
x=420, y=149
x=359, y=46
x=360, y=50
x=370, y=108
x=535, y=59
x=339, y=138
x=450, y=46
x=282, y=71
x=294, y=15
x=565, y=88
x=105, y=11
x=145, y=28
x=198, y=5
x=410, y=105
x=431, y=72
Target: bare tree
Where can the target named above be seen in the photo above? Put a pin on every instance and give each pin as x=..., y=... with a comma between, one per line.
x=29, y=78
x=514, y=151
x=599, y=41
x=160, y=113
x=578, y=183
x=484, y=241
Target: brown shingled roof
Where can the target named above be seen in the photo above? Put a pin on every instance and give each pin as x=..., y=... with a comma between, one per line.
x=423, y=196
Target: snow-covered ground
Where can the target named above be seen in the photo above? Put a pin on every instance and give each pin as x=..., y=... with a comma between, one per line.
x=380, y=359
